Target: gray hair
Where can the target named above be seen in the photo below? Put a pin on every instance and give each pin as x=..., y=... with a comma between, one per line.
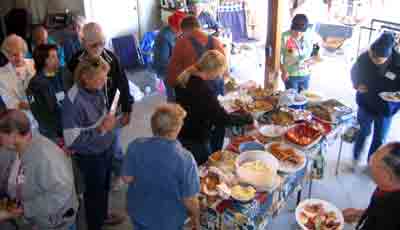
x=392, y=159
x=166, y=119
x=77, y=19
x=11, y=42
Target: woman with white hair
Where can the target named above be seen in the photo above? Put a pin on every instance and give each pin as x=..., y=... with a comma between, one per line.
x=15, y=76
x=162, y=175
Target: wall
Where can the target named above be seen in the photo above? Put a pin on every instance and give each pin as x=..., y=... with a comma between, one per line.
x=150, y=15
x=5, y=6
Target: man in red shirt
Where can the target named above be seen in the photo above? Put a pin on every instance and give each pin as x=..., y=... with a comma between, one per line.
x=185, y=53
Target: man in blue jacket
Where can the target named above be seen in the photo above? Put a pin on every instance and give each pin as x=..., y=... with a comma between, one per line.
x=370, y=76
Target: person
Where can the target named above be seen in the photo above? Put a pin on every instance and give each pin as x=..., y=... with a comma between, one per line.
x=187, y=52
x=46, y=91
x=370, y=76
x=40, y=177
x=296, y=54
x=203, y=114
x=207, y=22
x=162, y=175
x=93, y=42
x=88, y=131
x=41, y=36
x=15, y=76
x=163, y=46
x=72, y=37
x=384, y=205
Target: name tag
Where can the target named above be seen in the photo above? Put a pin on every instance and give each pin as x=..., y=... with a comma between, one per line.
x=390, y=75
x=60, y=96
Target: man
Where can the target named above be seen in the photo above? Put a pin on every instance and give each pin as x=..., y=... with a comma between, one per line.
x=40, y=36
x=207, y=22
x=296, y=55
x=370, y=76
x=163, y=46
x=15, y=76
x=162, y=175
x=93, y=42
x=72, y=37
x=187, y=52
x=382, y=212
x=40, y=178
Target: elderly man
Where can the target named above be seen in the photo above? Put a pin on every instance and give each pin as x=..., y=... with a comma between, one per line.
x=187, y=52
x=162, y=175
x=40, y=177
x=207, y=22
x=163, y=46
x=371, y=74
x=15, y=76
x=41, y=36
x=382, y=212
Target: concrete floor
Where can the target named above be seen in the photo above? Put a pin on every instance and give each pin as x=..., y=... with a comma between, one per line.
x=331, y=78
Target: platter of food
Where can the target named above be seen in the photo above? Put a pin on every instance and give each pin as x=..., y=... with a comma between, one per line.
x=321, y=113
x=315, y=214
x=258, y=106
x=260, y=93
x=277, y=117
x=290, y=159
x=390, y=96
x=236, y=141
x=209, y=184
x=303, y=135
x=272, y=130
x=224, y=160
x=312, y=97
x=8, y=204
x=258, y=169
x=243, y=193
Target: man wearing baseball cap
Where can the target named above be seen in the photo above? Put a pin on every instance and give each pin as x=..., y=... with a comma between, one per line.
x=296, y=54
x=371, y=75
x=163, y=46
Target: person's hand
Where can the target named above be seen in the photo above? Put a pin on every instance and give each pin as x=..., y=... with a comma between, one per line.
x=285, y=76
x=125, y=119
x=107, y=124
x=362, y=88
x=11, y=214
x=352, y=215
x=23, y=105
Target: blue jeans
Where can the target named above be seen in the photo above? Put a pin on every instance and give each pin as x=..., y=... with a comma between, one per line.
x=298, y=83
x=381, y=129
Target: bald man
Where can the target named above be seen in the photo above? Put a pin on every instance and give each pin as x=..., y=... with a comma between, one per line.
x=41, y=36
x=15, y=76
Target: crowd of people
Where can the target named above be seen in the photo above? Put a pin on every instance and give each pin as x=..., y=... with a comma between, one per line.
x=61, y=142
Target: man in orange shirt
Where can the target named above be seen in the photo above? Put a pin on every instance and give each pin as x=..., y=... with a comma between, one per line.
x=188, y=50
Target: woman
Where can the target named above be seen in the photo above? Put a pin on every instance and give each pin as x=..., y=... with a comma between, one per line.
x=162, y=175
x=46, y=91
x=88, y=131
x=202, y=106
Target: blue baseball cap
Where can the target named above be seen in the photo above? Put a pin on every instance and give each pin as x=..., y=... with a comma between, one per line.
x=383, y=46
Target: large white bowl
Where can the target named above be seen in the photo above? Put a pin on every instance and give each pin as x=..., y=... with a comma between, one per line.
x=260, y=181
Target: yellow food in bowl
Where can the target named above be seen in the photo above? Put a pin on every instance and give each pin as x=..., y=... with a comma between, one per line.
x=243, y=193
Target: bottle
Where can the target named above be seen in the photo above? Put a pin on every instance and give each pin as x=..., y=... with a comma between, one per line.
x=315, y=50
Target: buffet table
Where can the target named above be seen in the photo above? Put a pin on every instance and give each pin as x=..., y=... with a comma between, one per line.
x=218, y=212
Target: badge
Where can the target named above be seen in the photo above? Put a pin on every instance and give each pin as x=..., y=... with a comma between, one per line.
x=60, y=96
x=390, y=75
